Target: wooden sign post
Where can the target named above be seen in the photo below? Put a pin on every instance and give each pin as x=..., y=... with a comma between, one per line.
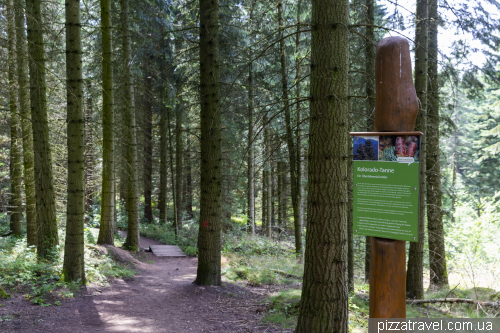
x=396, y=108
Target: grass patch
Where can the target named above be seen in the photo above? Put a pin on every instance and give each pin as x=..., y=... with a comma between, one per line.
x=284, y=308
x=258, y=261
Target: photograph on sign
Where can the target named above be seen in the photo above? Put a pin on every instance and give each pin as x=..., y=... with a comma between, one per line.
x=386, y=185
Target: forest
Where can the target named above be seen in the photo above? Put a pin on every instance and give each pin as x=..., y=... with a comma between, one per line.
x=222, y=127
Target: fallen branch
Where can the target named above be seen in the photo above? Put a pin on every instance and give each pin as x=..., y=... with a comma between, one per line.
x=454, y=300
x=285, y=274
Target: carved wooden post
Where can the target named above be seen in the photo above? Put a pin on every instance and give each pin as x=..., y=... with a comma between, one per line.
x=396, y=108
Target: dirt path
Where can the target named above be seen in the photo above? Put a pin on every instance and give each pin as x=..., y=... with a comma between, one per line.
x=161, y=298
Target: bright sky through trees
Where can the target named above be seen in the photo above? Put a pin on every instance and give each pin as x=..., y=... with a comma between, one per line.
x=450, y=31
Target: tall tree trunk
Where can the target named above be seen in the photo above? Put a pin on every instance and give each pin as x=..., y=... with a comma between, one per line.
x=209, y=262
x=172, y=171
x=89, y=154
x=324, y=303
x=148, y=145
x=47, y=236
x=27, y=132
x=269, y=181
x=15, y=203
x=414, y=276
x=132, y=241
x=270, y=206
x=106, y=233
x=437, y=254
x=454, y=164
x=162, y=202
x=188, y=200
x=179, y=154
x=164, y=122
x=74, y=266
x=281, y=203
x=264, y=201
x=298, y=224
x=370, y=100
x=289, y=136
x=250, y=161
x=350, y=217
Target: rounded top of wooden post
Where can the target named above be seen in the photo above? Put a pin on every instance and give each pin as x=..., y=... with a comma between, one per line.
x=396, y=103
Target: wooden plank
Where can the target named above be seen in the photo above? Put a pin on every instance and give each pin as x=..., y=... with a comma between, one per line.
x=166, y=251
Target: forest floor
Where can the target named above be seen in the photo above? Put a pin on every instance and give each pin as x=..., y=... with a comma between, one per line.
x=160, y=298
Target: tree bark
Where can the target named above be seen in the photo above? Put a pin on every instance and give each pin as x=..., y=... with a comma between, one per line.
x=250, y=161
x=437, y=254
x=269, y=180
x=209, y=240
x=289, y=136
x=370, y=100
x=162, y=202
x=172, y=171
x=132, y=241
x=350, y=216
x=298, y=224
x=164, y=110
x=47, y=237
x=179, y=154
x=106, y=233
x=15, y=202
x=264, y=201
x=27, y=131
x=414, y=276
x=324, y=303
x=281, y=202
x=88, y=155
x=148, y=146
x=74, y=266
x=188, y=200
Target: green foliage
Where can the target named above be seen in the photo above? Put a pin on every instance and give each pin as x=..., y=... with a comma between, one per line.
x=257, y=246
x=40, y=279
x=4, y=223
x=473, y=250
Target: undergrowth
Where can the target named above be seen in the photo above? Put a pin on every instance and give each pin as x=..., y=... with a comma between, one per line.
x=258, y=260
x=40, y=279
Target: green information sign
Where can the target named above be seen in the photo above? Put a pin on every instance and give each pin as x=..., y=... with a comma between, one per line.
x=386, y=185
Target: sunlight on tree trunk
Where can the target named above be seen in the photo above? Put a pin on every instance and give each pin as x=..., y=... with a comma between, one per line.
x=27, y=132
x=437, y=254
x=414, y=276
x=15, y=202
x=45, y=199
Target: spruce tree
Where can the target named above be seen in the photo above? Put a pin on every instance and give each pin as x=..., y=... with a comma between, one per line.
x=106, y=232
x=209, y=240
x=74, y=266
x=44, y=186
x=324, y=302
